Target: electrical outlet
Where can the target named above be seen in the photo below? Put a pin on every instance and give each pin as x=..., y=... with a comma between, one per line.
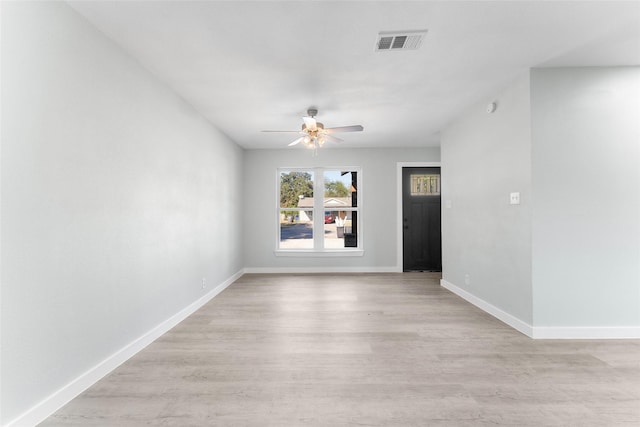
x=467, y=279
x=204, y=283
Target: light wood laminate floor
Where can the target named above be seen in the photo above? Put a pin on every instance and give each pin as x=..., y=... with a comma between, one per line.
x=360, y=350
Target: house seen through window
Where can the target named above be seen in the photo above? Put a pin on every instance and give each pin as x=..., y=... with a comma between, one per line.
x=318, y=209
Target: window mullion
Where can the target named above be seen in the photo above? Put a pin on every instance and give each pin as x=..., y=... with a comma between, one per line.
x=318, y=209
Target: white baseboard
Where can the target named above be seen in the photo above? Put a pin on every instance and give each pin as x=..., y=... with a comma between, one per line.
x=586, y=332
x=546, y=332
x=503, y=316
x=57, y=400
x=316, y=270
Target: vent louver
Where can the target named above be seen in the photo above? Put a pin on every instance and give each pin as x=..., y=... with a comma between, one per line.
x=400, y=40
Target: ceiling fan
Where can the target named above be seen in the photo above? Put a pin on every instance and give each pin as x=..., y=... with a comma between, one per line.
x=314, y=134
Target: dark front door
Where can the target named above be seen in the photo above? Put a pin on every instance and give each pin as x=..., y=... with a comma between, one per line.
x=422, y=242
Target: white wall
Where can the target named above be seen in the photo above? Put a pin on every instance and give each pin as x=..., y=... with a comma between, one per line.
x=565, y=262
x=586, y=184
x=485, y=157
x=116, y=202
x=118, y=198
x=378, y=186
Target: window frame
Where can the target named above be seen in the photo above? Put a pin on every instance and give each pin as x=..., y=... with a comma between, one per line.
x=318, y=210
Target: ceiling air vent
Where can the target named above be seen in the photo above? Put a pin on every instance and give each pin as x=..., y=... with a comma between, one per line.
x=399, y=40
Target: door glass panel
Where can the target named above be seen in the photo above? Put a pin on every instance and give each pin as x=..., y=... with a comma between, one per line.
x=425, y=185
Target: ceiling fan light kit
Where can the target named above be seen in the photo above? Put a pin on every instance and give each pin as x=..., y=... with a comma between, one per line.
x=315, y=134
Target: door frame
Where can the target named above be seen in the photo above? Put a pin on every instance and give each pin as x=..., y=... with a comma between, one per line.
x=399, y=233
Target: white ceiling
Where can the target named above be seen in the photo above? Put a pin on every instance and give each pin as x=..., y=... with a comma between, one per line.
x=249, y=66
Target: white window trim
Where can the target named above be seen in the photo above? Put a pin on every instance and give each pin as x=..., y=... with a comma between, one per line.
x=318, y=226
x=347, y=252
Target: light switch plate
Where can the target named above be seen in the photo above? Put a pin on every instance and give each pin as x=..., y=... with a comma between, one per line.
x=514, y=198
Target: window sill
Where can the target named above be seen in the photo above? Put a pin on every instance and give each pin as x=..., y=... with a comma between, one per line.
x=319, y=254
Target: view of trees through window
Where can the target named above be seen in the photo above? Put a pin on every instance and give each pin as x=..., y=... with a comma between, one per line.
x=335, y=189
x=338, y=212
x=293, y=185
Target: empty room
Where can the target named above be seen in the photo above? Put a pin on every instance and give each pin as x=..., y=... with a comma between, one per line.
x=319, y=213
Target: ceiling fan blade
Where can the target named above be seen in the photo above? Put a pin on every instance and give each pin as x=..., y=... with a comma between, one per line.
x=354, y=128
x=282, y=131
x=332, y=138
x=310, y=123
x=297, y=141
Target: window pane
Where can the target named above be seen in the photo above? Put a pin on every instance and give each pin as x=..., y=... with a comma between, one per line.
x=340, y=189
x=296, y=189
x=340, y=229
x=340, y=199
x=296, y=229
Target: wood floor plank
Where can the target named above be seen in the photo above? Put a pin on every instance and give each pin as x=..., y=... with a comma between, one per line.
x=360, y=349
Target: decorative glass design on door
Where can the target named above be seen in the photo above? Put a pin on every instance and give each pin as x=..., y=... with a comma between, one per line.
x=425, y=185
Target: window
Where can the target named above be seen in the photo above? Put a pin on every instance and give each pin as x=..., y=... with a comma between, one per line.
x=319, y=211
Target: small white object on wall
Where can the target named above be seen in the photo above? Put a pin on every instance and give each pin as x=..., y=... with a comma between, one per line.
x=514, y=198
